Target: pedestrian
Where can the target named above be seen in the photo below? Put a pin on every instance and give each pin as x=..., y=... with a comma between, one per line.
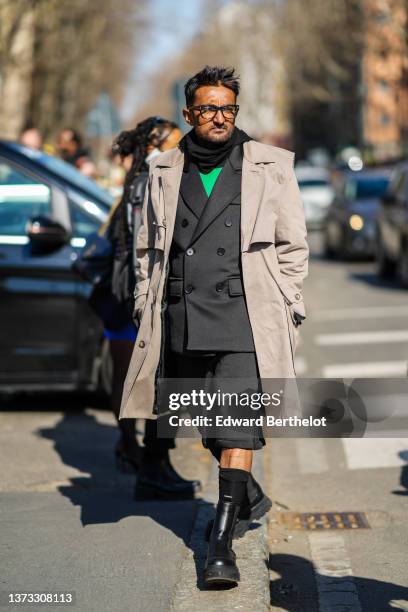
x=31, y=137
x=72, y=150
x=156, y=476
x=222, y=253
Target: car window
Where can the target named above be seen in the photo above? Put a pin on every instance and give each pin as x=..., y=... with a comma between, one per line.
x=83, y=223
x=21, y=198
x=369, y=187
x=304, y=183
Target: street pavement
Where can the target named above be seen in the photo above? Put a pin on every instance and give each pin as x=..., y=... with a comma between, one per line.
x=357, y=326
x=69, y=522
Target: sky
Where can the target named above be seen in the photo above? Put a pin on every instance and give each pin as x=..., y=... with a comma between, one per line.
x=174, y=23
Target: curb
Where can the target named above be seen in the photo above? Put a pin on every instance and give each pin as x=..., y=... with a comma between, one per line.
x=252, y=593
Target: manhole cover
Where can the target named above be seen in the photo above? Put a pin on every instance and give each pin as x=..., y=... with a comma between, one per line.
x=323, y=520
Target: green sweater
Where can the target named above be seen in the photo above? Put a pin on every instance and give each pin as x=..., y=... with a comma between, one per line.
x=210, y=179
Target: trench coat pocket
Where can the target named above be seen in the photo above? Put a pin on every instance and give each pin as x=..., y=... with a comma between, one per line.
x=235, y=287
x=175, y=287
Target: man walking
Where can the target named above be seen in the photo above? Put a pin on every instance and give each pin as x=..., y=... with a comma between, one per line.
x=222, y=255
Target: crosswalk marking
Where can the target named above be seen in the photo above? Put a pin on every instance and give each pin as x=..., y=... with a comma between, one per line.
x=334, y=577
x=366, y=312
x=370, y=337
x=368, y=453
x=368, y=369
x=311, y=455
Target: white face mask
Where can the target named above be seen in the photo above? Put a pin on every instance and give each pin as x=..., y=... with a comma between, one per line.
x=152, y=155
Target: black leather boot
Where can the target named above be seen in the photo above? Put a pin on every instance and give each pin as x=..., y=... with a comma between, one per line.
x=177, y=479
x=159, y=480
x=256, y=505
x=220, y=566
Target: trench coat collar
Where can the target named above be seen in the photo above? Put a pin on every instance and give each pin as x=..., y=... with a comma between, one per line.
x=254, y=152
x=192, y=190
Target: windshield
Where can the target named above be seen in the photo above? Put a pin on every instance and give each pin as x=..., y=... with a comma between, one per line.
x=312, y=183
x=368, y=187
x=67, y=172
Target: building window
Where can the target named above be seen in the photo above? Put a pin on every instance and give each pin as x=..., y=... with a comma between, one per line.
x=385, y=119
x=383, y=85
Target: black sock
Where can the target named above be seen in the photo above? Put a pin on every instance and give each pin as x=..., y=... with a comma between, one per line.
x=232, y=483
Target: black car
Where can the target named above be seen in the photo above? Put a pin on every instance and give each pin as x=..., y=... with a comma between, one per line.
x=50, y=339
x=350, y=226
x=392, y=228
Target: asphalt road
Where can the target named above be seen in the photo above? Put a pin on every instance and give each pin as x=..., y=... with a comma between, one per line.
x=68, y=521
x=357, y=327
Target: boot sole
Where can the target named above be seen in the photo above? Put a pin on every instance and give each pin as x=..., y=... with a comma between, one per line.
x=242, y=526
x=257, y=512
x=221, y=575
x=146, y=493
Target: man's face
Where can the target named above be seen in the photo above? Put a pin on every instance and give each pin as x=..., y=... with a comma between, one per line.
x=66, y=145
x=218, y=129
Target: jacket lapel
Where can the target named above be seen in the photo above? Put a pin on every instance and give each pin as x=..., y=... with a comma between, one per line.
x=192, y=190
x=227, y=186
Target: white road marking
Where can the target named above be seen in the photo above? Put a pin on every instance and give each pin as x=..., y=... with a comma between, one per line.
x=366, y=312
x=300, y=365
x=369, y=369
x=370, y=453
x=334, y=577
x=370, y=337
x=311, y=455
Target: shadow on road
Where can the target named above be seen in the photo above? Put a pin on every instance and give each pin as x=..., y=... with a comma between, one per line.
x=296, y=591
x=103, y=494
x=372, y=279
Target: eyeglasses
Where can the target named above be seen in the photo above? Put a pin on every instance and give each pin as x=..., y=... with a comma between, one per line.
x=208, y=111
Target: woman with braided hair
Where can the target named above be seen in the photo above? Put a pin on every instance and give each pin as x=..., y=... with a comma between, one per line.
x=156, y=476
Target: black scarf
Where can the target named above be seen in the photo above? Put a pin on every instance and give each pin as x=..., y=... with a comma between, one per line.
x=208, y=155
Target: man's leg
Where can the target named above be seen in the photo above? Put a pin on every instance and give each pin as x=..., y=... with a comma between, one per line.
x=127, y=450
x=236, y=453
x=157, y=477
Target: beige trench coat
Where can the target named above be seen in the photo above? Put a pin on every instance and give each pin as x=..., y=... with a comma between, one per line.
x=274, y=255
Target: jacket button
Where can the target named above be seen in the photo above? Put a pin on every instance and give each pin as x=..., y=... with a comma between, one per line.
x=227, y=222
x=297, y=296
x=184, y=223
x=142, y=344
x=219, y=287
x=190, y=252
x=220, y=251
x=188, y=289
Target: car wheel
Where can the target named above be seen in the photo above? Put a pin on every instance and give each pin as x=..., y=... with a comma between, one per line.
x=403, y=266
x=385, y=265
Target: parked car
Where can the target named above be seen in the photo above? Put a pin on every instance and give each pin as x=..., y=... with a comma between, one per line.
x=317, y=193
x=350, y=226
x=392, y=228
x=50, y=339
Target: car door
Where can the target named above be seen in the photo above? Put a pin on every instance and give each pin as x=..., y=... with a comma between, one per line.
x=86, y=218
x=37, y=291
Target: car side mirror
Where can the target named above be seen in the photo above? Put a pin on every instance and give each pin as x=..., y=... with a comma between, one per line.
x=46, y=235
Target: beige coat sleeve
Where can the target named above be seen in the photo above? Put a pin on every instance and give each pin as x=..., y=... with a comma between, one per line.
x=291, y=244
x=145, y=254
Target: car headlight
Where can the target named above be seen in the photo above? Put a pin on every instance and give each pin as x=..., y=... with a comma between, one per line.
x=356, y=222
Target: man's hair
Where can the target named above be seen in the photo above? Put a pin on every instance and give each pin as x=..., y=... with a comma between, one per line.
x=211, y=75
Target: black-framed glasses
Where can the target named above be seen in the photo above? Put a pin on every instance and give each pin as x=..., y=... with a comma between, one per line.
x=208, y=111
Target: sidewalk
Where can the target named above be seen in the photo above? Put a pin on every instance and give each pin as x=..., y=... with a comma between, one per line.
x=68, y=522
